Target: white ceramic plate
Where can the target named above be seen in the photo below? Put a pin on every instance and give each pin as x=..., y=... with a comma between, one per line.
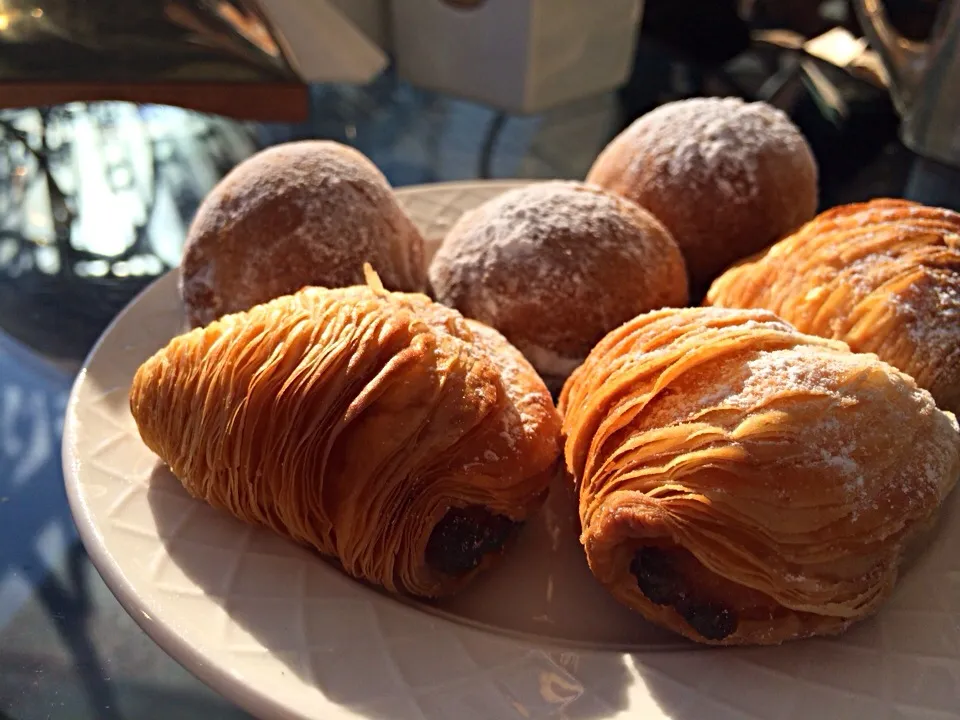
x=284, y=634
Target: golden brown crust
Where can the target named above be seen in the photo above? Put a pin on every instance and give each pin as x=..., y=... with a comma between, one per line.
x=556, y=265
x=726, y=178
x=379, y=428
x=883, y=276
x=296, y=214
x=738, y=481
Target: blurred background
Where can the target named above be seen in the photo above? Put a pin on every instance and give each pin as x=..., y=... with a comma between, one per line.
x=118, y=116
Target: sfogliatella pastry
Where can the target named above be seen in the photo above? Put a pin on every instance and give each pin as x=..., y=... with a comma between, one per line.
x=883, y=276
x=302, y=213
x=556, y=265
x=379, y=428
x=726, y=177
x=742, y=483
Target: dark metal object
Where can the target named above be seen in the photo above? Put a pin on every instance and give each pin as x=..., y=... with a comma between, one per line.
x=218, y=56
x=925, y=79
x=143, y=41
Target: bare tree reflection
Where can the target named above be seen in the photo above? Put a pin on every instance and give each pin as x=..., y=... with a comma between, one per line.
x=95, y=206
x=39, y=537
x=69, y=608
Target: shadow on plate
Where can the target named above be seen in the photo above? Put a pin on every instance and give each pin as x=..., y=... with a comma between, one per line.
x=377, y=656
x=386, y=659
x=552, y=594
x=902, y=662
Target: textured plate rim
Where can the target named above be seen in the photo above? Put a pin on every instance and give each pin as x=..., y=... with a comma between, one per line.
x=177, y=646
x=643, y=699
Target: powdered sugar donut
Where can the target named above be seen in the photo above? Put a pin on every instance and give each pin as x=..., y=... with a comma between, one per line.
x=297, y=214
x=556, y=265
x=726, y=177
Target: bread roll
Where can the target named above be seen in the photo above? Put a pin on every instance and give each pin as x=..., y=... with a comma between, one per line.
x=726, y=177
x=297, y=214
x=556, y=265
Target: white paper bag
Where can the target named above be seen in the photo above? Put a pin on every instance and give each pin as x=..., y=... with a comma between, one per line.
x=522, y=56
x=372, y=18
x=321, y=43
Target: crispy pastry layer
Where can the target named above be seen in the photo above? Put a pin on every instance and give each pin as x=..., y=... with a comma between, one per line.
x=379, y=428
x=742, y=483
x=883, y=276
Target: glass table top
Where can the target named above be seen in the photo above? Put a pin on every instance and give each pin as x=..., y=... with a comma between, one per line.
x=94, y=203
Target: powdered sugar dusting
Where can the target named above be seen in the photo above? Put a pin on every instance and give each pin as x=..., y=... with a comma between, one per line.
x=936, y=312
x=920, y=288
x=823, y=386
x=519, y=380
x=778, y=375
x=727, y=177
x=843, y=463
x=718, y=141
x=549, y=362
x=535, y=228
x=524, y=390
x=783, y=373
x=883, y=276
x=296, y=214
x=556, y=265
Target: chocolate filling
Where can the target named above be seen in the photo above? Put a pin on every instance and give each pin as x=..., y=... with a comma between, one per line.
x=659, y=579
x=655, y=576
x=464, y=535
x=712, y=620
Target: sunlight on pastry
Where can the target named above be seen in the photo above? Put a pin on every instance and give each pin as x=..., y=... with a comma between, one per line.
x=738, y=481
x=645, y=438
x=726, y=177
x=379, y=428
x=555, y=266
x=883, y=276
x=309, y=212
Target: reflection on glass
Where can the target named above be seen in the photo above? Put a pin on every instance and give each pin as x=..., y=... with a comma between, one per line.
x=96, y=204
x=138, y=41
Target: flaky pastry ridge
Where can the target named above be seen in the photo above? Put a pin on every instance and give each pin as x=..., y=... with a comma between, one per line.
x=883, y=276
x=379, y=428
x=738, y=480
